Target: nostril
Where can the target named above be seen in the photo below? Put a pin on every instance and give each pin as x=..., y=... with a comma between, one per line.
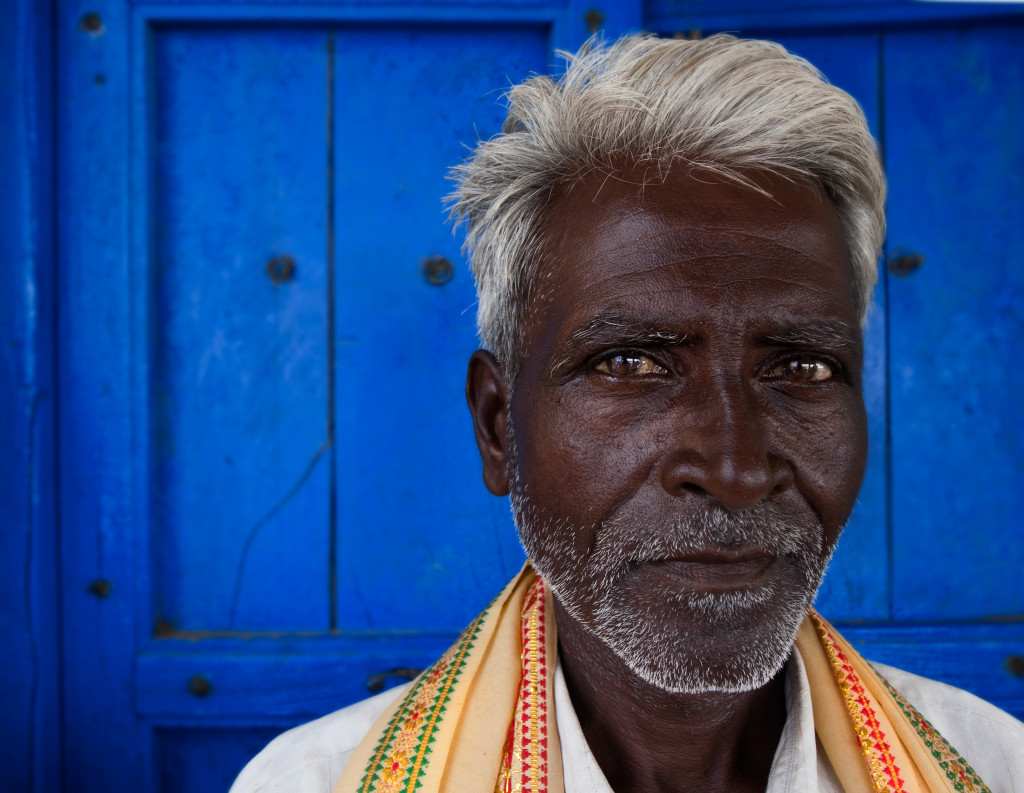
x=691, y=487
x=782, y=474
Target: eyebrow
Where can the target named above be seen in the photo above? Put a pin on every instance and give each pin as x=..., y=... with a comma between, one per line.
x=813, y=333
x=619, y=329
x=623, y=329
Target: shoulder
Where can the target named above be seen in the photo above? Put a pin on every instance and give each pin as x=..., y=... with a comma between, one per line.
x=989, y=739
x=310, y=758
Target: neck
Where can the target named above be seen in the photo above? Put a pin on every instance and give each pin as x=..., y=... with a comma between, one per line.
x=646, y=739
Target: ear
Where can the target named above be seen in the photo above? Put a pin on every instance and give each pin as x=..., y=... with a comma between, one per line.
x=487, y=396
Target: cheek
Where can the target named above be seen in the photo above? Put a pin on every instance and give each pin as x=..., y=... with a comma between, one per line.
x=580, y=458
x=829, y=455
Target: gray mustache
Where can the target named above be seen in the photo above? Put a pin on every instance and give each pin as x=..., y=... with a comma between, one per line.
x=629, y=537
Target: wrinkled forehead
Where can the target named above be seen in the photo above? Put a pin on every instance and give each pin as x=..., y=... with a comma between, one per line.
x=742, y=223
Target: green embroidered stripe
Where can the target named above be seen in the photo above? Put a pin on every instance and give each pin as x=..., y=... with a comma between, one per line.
x=441, y=701
x=373, y=769
x=956, y=768
x=425, y=736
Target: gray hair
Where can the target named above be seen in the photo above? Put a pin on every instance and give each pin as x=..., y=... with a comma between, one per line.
x=721, y=104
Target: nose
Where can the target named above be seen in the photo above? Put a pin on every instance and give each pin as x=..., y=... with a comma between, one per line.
x=722, y=449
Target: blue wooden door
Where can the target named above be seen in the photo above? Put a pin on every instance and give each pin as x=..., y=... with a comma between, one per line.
x=271, y=497
x=268, y=492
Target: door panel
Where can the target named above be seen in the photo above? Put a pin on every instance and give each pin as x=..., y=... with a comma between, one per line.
x=240, y=401
x=422, y=546
x=955, y=151
x=256, y=360
x=204, y=760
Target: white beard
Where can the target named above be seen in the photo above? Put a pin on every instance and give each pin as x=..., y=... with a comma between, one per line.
x=679, y=641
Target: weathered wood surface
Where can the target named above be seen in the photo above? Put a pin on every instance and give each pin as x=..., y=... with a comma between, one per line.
x=30, y=740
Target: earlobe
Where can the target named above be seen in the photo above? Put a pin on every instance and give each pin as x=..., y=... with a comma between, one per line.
x=487, y=396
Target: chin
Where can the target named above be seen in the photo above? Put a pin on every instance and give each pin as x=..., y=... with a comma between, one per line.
x=697, y=643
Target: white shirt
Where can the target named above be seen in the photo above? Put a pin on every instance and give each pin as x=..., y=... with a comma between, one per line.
x=310, y=758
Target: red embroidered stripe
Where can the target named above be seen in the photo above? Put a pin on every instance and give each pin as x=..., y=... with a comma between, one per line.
x=885, y=774
x=524, y=764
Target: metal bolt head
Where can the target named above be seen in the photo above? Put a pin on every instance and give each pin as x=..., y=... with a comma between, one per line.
x=438, y=270
x=1015, y=665
x=594, y=20
x=200, y=686
x=91, y=22
x=100, y=588
x=281, y=269
x=904, y=263
x=375, y=683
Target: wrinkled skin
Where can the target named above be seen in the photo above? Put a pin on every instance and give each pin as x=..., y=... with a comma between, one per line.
x=692, y=355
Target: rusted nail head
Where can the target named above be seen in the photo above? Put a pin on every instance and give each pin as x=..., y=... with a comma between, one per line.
x=1015, y=665
x=281, y=269
x=91, y=22
x=375, y=683
x=903, y=264
x=200, y=686
x=100, y=588
x=437, y=270
x=594, y=20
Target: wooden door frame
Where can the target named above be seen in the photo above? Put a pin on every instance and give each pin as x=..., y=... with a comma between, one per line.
x=30, y=736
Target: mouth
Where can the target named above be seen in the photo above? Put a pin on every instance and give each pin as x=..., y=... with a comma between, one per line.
x=712, y=571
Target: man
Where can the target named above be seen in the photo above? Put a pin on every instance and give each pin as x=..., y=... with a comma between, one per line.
x=674, y=246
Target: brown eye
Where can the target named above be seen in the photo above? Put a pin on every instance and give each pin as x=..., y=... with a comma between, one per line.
x=630, y=365
x=804, y=371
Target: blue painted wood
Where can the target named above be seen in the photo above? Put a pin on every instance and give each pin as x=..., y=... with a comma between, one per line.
x=30, y=740
x=106, y=748
x=384, y=10
x=266, y=680
x=132, y=363
x=201, y=760
x=956, y=167
x=240, y=381
x=578, y=21
x=421, y=545
x=857, y=585
x=458, y=12
x=785, y=16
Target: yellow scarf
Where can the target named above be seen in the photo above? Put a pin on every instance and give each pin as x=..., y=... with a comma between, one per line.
x=482, y=717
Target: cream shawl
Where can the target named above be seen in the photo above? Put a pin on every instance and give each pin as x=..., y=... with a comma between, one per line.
x=482, y=717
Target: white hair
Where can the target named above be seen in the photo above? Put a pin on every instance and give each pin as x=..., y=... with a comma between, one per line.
x=722, y=104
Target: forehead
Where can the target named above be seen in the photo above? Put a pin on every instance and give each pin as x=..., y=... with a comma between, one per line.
x=692, y=244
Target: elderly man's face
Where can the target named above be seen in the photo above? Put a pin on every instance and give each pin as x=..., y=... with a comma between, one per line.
x=688, y=429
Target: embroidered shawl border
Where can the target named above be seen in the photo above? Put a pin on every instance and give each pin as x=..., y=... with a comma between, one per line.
x=402, y=754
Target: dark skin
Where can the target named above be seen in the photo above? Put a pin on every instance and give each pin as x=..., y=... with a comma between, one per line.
x=689, y=342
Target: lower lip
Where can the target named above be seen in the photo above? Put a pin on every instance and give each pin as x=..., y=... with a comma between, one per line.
x=711, y=576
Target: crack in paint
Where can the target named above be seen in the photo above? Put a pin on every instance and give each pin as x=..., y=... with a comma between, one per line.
x=263, y=521
x=33, y=647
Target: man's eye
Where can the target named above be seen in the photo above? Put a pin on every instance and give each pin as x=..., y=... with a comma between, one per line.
x=804, y=371
x=630, y=365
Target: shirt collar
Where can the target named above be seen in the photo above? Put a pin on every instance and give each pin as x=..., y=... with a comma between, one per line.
x=795, y=766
